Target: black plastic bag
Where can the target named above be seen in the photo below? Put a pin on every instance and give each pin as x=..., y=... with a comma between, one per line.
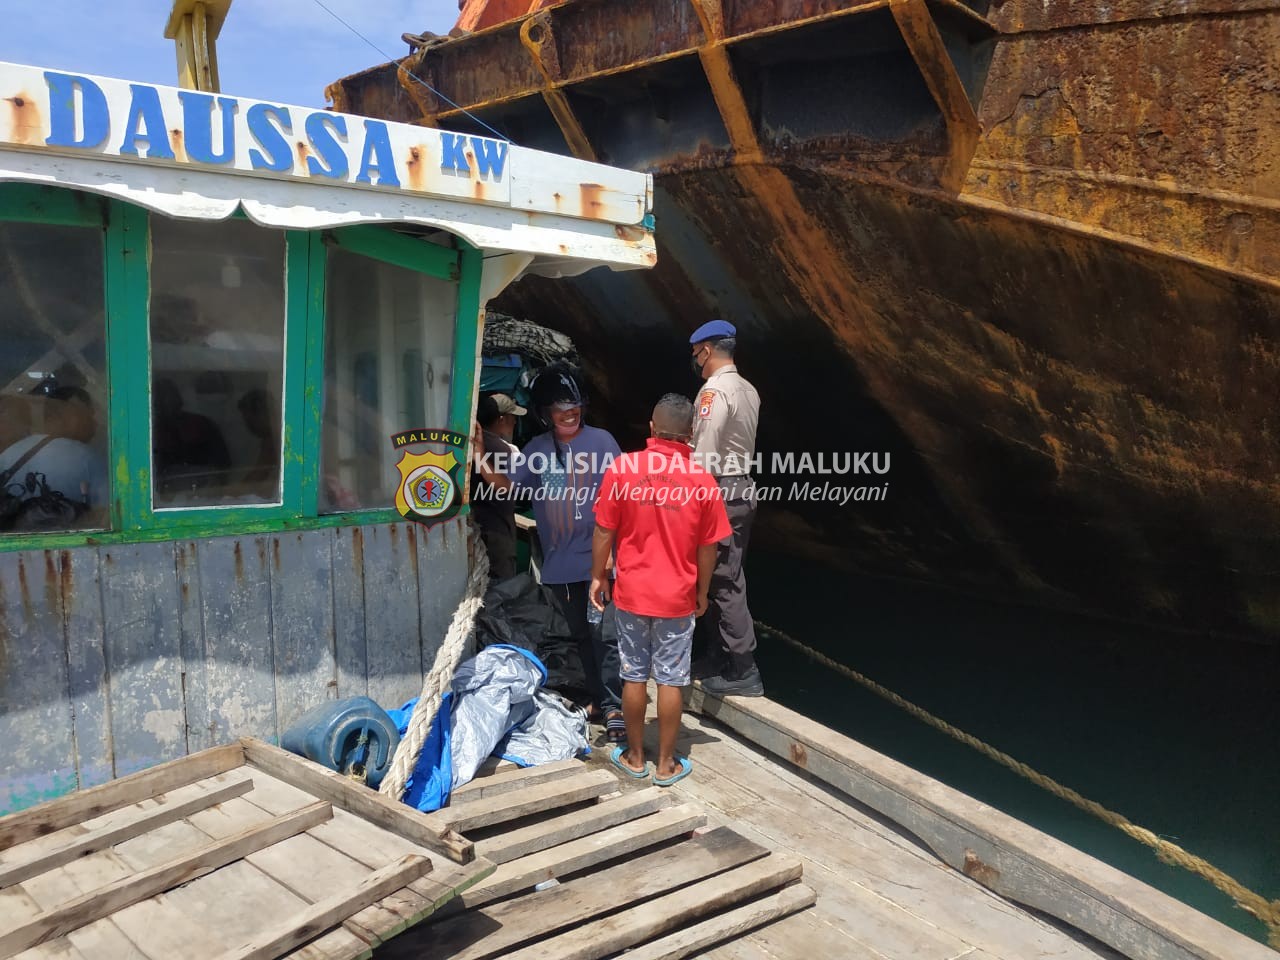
x=521, y=612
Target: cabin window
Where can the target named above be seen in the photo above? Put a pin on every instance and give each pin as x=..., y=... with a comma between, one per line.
x=200, y=378
x=53, y=384
x=217, y=328
x=388, y=367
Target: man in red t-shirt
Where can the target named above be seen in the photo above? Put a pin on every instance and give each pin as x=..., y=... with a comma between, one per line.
x=664, y=514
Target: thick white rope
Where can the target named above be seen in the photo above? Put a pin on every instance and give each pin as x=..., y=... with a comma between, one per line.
x=440, y=677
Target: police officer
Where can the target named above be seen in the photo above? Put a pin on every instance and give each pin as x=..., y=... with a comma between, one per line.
x=726, y=412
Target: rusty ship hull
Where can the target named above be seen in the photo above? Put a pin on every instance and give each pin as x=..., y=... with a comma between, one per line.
x=1029, y=249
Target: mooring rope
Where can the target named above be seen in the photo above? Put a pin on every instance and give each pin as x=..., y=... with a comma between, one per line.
x=1268, y=911
x=440, y=677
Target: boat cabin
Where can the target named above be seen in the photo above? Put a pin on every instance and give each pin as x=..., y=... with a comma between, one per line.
x=216, y=314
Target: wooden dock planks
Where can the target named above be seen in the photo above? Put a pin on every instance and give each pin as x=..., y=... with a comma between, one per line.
x=585, y=852
x=625, y=871
x=127, y=891
x=504, y=807
x=660, y=916
x=273, y=856
x=522, y=841
x=493, y=930
x=297, y=929
x=1007, y=856
x=213, y=855
x=436, y=834
x=14, y=870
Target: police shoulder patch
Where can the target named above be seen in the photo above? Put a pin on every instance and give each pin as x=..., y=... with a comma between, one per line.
x=704, y=403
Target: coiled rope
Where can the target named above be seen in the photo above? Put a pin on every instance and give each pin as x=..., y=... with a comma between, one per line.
x=1268, y=911
x=439, y=678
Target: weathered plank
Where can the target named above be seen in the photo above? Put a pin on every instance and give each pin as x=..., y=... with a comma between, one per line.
x=94, y=802
x=393, y=646
x=584, y=852
x=16, y=905
x=140, y=822
x=227, y=901
x=312, y=869
x=746, y=949
x=725, y=794
x=235, y=589
x=332, y=946
x=882, y=927
x=52, y=842
x=430, y=572
x=374, y=847
x=372, y=806
x=875, y=925
x=442, y=580
x=302, y=623
x=320, y=916
x=493, y=930
x=516, y=778
x=512, y=844
x=799, y=816
x=611, y=934
x=143, y=642
x=215, y=913
x=504, y=807
x=733, y=923
x=130, y=890
x=350, y=653
x=356, y=838
x=102, y=938
x=38, y=761
x=186, y=565
x=813, y=933
x=86, y=666
x=1008, y=856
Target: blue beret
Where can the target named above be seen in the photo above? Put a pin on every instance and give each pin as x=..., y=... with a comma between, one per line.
x=713, y=329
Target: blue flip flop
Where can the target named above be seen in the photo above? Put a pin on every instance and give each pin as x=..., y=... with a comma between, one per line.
x=616, y=759
x=686, y=768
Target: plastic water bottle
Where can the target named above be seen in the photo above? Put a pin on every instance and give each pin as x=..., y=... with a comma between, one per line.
x=594, y=613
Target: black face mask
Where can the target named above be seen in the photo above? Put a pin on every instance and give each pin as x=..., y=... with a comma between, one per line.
x=696, y=364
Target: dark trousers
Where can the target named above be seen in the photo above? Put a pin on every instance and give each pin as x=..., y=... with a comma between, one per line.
x=597, y=647
x=731, y=631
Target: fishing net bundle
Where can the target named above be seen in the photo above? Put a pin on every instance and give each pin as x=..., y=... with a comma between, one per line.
x=504, y=334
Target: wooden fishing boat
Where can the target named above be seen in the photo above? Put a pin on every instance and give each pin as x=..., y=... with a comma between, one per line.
x=191, y=603
x=218, y=312
x=244, y=851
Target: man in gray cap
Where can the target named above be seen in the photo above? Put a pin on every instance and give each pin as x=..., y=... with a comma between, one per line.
x=494, y=509
x=726, y=412
x=505, y=425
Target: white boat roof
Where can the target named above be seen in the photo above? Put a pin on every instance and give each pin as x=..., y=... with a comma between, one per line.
x=302, y=168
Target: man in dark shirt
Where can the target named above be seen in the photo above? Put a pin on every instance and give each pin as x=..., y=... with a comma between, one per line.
x=494, y=509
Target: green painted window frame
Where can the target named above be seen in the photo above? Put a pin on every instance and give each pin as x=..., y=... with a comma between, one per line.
x=127, y=284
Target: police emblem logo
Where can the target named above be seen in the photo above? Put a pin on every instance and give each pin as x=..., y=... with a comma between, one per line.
x=704, y=403
x=430, y=488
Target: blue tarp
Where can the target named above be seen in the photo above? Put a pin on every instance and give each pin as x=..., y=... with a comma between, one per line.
x=432, y=778
x=496, y=704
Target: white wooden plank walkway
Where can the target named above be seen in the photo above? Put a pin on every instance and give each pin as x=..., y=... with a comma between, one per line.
x=880, y=894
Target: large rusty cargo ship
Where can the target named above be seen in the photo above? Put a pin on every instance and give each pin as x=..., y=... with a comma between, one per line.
x=1030, y=249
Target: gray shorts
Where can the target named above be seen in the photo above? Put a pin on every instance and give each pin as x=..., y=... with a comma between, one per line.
x=657, y=647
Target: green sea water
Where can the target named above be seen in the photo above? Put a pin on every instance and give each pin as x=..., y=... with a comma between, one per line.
x=1179, y=734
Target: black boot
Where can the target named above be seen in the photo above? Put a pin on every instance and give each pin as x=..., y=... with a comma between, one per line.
x=741, y=678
